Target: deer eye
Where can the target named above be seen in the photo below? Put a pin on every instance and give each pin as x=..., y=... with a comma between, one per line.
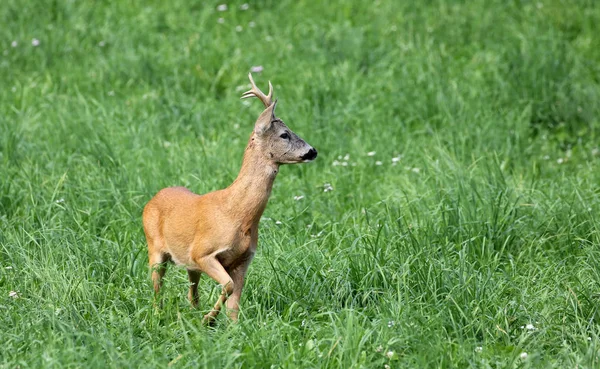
x=285, y=136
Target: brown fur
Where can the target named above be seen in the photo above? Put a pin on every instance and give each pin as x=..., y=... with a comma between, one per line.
x=217, y=233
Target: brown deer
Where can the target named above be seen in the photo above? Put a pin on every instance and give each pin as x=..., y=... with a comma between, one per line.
x=217, y=233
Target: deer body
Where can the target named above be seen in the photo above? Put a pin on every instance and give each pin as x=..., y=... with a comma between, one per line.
x=217, y=233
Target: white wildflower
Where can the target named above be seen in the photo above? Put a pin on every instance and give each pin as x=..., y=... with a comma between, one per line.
x=256, y=69
x=61, y=200
x=239, y=28
x=13, y=294
x=546, y=157
x=221, y=20
x=391, y=323
x=252, y=24
x=14, y=44
x=298, y=198
x=378, y=162
x=101, y=43
x=222, y=8
x=386, y=366
x=244, y=6
x=371, y=153
x=530, y=327
x=478, y=349
x=342, y=163
x=327, y=187
x=560, y=160
x=379, y=348
x=523, y=355
x=35, y=42
x=278, y=222
x=111, y=93
x=8, y=267
x=396, y=159
x=416, y=170
x=389, y=354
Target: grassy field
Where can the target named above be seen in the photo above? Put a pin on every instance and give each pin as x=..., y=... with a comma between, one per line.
x=460, y=141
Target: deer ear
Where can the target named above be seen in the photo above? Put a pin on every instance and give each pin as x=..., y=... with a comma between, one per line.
x=263, y=123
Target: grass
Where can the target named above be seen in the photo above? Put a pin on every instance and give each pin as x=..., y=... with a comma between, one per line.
x=486, y=223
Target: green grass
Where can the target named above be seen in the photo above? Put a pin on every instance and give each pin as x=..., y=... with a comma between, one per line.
x=487, y=222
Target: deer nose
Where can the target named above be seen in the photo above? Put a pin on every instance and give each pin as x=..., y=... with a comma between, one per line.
x=310, y=155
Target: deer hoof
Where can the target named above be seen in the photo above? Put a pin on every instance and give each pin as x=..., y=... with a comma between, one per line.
x=209, y=320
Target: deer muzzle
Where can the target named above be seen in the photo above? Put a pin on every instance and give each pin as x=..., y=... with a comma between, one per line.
x=310, y=155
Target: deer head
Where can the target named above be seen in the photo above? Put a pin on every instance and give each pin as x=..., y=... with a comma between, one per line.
x=275, y=139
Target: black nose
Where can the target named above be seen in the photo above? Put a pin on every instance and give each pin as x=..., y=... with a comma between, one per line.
x=310, y=155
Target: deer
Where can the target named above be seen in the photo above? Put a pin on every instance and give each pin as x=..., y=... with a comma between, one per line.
x=217, y=233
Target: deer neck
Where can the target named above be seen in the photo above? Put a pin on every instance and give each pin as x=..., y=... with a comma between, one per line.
x=249, y=193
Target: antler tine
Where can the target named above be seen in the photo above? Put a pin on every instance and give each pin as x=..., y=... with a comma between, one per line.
x=267, y=100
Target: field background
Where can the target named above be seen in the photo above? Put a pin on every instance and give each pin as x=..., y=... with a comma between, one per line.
x=469, y=236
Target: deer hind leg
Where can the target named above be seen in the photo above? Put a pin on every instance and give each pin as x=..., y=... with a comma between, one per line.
x=157, y=261
x=194, y=278
x=213, y=268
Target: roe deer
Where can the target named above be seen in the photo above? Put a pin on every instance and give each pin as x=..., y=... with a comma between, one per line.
x=217, y=233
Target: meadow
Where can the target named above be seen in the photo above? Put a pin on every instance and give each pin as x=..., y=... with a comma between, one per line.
x=451, y=219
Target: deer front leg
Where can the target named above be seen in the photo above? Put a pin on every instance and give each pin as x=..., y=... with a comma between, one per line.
x=213, y=268
x=237, y=274
x=194, y=278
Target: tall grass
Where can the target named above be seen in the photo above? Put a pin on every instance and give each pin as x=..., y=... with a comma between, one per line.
x=460, y=140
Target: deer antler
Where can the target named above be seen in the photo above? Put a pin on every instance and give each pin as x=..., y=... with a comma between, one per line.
x=256, y=92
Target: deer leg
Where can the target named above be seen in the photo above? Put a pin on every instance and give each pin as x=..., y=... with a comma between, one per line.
x=213, y=268
x=157, y=262
x=194, y=277
x=233, y=302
